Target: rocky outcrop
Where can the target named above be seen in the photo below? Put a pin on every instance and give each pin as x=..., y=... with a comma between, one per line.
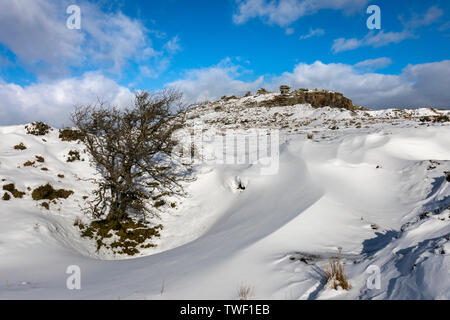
x=316, y=98
x=284, y=90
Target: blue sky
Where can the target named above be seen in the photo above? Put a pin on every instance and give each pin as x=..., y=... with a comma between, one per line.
x=209, y=48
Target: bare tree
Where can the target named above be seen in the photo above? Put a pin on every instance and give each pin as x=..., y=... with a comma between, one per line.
x=132, y=150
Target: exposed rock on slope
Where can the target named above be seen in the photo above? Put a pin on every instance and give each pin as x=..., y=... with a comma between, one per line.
x=316, y=98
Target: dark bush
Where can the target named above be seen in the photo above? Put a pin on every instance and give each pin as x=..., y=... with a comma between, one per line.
x=73, y=156
x=159, y=203
x=20, y=146
x=40, y=159
x=69, y=134
x=6, y=196
x=37, y=128
x=12, y=189
x=262, y=91
x=132, y=235
x=439, y=119
x=48, y=193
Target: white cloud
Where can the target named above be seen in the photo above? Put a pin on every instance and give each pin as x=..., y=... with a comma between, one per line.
x=35, y=30
x=432, y=15
x=290, y=31
x=173, y=45
x=373, y=39
x=284, y=12
x=445, y=26
x=374, y=64
x=313, y=33
x=381, y=38
x=155, y=70
x=214, y=82
x=342, y=44
x=53, y=101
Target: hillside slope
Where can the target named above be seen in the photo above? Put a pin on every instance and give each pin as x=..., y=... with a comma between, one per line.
x=373, y=183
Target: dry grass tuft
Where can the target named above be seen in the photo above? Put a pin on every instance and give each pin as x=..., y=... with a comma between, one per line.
x=334, y=274
x=245, y=292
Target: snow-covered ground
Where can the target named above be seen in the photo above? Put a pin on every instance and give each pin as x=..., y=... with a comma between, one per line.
x=370, y=182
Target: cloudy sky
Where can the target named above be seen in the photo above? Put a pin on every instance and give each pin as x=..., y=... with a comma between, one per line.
x=210, y=48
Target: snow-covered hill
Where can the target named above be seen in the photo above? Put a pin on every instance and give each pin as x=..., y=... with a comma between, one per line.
x=373, y=183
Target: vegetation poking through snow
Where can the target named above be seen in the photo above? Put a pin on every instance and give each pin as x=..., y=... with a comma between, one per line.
x=335, y=275
x=245, y=292
x=38, y=128
x=70, y=134
x=40, y=159
x=12, y=189
x=28, y=163
x=73, y=156
x=126, y=236
x=436, y=119
x=47, y=192
x=20, y=146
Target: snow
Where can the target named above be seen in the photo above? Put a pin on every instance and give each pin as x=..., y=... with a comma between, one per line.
x=360, y=189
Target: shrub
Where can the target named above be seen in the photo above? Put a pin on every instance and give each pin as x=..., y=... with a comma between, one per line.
x=131, y=235
x=335, y=276
x=69, y=134
x=28, y=163
x=40, y=159
x=159, y=203
x=20, y=146
x=46, y=205
x=79, y=223
x=262, y=91
x=37, y=128
x=440, y=118
x=309, y=136
x=61, y=176
x=74, y=155
x=226, y=98
x=6, y=196
x=12, y=189
x=245, y=292
x=47, y=192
